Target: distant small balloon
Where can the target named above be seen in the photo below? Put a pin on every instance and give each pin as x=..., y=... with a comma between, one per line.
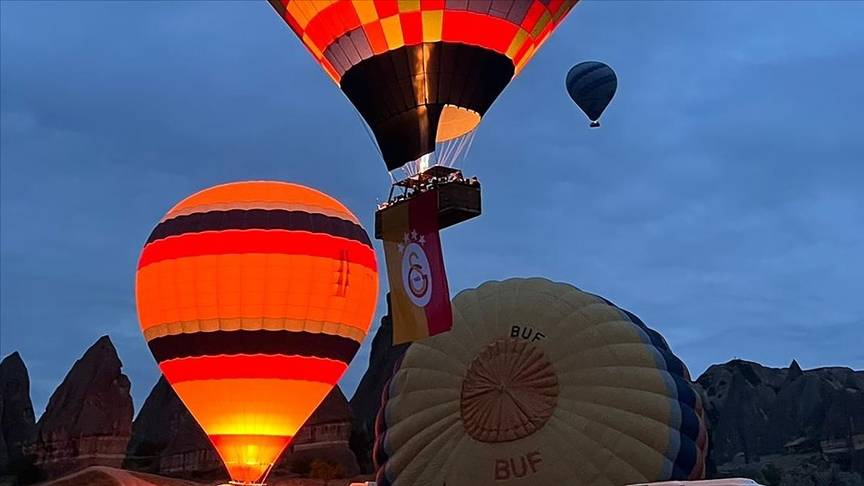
x=592, y=86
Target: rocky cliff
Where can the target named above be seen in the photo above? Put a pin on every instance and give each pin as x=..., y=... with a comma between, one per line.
x=760, y=416
x=17, y=421
x=88, y=420
x=783, y=426
x=166, y=439
x=324, y=438
x=367, y=398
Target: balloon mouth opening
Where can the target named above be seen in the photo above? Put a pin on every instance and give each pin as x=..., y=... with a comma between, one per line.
x=453, y=140
x=455, y=122
x=249, y=458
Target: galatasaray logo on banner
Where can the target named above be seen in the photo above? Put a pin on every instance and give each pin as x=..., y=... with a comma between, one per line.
x=419, y=294
x=415, y=271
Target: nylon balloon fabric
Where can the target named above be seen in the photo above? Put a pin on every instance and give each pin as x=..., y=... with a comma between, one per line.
x=592, y=86
x=253, y=298
x=540, y=384
x=421, y=71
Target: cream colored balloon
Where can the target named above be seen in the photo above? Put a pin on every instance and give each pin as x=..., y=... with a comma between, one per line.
x=538, y=384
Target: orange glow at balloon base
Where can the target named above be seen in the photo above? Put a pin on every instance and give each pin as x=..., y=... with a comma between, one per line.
x=249, y=457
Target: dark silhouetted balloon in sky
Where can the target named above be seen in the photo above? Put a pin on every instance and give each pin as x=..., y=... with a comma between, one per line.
x=592, y=85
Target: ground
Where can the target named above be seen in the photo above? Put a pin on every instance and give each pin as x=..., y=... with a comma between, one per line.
x=108, y=476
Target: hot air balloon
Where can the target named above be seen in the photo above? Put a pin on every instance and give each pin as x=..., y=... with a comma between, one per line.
x=592, y=85
x=540, y=384
x=422, y=71
x=253, y=298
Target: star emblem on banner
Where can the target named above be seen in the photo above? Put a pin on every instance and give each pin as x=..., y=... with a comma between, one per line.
x=409, y=238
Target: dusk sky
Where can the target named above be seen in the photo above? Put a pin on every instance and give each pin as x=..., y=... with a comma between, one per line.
x=722, y=201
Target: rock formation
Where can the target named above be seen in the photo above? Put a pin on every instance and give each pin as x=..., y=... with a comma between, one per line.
x=367, y=399
x=88, y=420
x=755, y=411
x=765, y=422
x=324, y=437
x=17, y=421
x=189, y=453
x=166, y=439
x=153, y=427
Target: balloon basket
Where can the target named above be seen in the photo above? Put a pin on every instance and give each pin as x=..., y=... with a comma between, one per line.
x=458, y=197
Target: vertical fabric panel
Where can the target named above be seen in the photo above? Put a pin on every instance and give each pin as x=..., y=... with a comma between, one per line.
x=480, y=6
x=432, y=25
x=393, y=32
x=361, y=43
x=366, y=11
x=501, y=8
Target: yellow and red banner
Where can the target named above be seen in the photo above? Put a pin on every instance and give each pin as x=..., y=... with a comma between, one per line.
x=419, y=295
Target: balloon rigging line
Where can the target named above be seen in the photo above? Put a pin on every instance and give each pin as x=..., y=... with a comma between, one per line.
x=466, y=147
x=449, y=149
x=470, y=144
x=453, y=151
x=457, y=151
x=445, y=152
x=448, y=154
x=460, y=149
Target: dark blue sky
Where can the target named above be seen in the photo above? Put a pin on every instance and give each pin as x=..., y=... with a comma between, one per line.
x=722, y=200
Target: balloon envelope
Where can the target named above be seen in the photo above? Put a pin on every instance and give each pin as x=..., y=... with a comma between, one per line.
x=421, y=71
x=592, y=86
x=253, y=298
x=539, y=383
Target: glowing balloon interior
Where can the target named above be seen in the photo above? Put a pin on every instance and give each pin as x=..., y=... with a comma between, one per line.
x=253, y=298
x=422, y=71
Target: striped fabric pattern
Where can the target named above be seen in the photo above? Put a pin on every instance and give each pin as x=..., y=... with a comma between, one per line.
x=253, y=298
x=342, y=33
x=421, y=72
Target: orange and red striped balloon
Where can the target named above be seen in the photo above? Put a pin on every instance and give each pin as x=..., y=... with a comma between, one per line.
x=422, y=71
x=253, y=298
